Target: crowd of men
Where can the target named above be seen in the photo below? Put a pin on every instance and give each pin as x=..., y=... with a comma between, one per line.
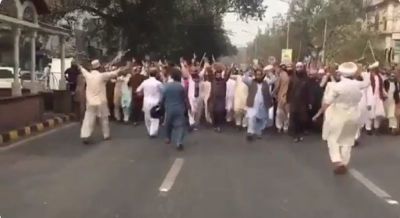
x=282, y=97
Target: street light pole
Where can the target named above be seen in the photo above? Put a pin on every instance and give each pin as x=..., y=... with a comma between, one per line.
x=324, y=43
x=288, y=32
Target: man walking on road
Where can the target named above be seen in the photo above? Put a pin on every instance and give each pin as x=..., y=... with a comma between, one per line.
x=343, y=119
x=299, y=103
x=176, y=104
x=151, y=89
x=96, y=100
x=259, y=101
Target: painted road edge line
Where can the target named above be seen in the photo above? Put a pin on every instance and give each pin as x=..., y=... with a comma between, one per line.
x=40, y=135
x=171, y=175
x=372, y=187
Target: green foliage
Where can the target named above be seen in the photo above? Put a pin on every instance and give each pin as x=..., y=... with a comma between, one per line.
x=167, y=27
x=345, y=39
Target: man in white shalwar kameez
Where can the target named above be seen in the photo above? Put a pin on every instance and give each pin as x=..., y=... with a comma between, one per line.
x=151, y=89
x=205, y=90
x=195, y=99
x=377, y=96
x=96, y=100
x=241, y=93
x=259, y=102
x=342, y=116
x=230, y=97
x=392, y=90
x=365, y=104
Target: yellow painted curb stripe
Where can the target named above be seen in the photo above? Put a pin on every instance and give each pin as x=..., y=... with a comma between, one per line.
x=51, y=123
x=59, y=120
x=13, y=135
x=40, y=126
x=28, y=130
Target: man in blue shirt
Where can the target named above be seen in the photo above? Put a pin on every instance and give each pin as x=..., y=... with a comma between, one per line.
x=176, y=104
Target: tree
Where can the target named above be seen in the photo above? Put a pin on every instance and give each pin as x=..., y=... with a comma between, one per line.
x=345, y=38
x=166, y=27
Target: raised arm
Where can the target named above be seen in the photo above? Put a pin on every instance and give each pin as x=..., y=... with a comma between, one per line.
x=109, y=75
x=85, y=73
x=366, y=81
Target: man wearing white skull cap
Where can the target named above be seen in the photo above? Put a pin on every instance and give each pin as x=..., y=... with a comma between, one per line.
x=342, y=117
x=377, y=96
x=96, y=100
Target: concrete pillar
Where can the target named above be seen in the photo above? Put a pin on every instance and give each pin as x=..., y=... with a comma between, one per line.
x=390, y=17
x=63, y=82
x=34, y=83
x=16, y=88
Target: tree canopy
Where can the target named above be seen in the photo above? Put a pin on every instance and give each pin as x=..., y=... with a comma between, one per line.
x=166, y=27
x=345, y=41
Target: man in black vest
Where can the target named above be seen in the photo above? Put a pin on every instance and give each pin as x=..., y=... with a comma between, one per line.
x=259, y=101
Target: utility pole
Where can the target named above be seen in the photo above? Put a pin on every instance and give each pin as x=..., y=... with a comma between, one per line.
x=324, y=43
x=288, y=32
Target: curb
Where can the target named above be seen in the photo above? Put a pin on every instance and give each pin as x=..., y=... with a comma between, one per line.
x=17, y=134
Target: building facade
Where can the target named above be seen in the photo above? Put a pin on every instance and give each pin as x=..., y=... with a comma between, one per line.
x=383, y=16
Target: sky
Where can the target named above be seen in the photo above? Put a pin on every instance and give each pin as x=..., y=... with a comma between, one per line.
x=242, y=33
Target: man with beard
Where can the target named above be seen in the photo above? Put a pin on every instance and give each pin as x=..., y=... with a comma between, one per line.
x=137, y=100
x=280, y=93
x=392, y=89
x=317, y=93
x=299, y=102
x=239, y=102
x=259, y=101
x=377, y=95
x=196, y=103
x=217, y=101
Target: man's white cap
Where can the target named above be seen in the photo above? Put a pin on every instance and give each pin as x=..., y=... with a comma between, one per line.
x=348, y=69
x=299, y=64
x=268, y=68
x=95, y=64
x=374, y=65
x=321, y=71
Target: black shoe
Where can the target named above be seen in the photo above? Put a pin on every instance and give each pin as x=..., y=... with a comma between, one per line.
x=340, y=170
x=86, y=141
x=152, y=136
x=107, y=138
x=356, y=143
x=250, y=137
x=180, y=147
x=369, y=132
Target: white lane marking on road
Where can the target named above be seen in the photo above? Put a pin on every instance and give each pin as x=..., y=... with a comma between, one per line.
x=372, y=187
x=33, y=138
x=171, y=175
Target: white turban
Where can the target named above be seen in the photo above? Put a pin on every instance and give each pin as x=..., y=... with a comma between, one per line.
x=268, y=68
x=348, y=69
x=95, y=64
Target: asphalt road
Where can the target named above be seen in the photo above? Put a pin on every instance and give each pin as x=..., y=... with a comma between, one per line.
x=222, y=176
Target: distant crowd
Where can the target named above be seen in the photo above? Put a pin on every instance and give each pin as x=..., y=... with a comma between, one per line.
x=288, y=98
